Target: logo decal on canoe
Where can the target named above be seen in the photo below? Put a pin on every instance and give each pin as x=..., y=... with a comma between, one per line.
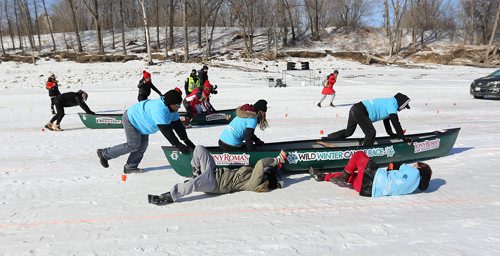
x=219, y=116
x=426, y=145
x=295, y=157
x=231, y=159
x=107, y=120
x=174, y=155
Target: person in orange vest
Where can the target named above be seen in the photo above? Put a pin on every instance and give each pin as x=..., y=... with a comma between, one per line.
x=53, y=88
x=328, y=88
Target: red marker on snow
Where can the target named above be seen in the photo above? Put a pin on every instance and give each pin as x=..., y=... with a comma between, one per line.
x=124, y=177
x=321, y=132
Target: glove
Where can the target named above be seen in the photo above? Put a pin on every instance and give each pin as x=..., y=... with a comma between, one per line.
x=189, y=143
x=181, y=147
x=408, y=140
x=281, y=158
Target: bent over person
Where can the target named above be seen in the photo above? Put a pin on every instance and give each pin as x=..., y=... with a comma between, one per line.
x=145, y=118
x=66, y=100
x=366, y=112
x=210, y=179
x=369, y=180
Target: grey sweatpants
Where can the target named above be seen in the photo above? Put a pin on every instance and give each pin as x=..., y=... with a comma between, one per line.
x=205, y=182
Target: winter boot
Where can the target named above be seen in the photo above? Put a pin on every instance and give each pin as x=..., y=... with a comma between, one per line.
x=104, y=161
x=128, y=170
x=319, y=105
x=331, y=105
x=57, y=127
x=162, y=199
x=341, y=180
x=317, y=175
x=49, y=126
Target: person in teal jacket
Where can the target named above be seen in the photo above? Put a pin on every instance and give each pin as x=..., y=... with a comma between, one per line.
x=369, y=180
x=145, y=118
x=239, y=134
x=366, y=112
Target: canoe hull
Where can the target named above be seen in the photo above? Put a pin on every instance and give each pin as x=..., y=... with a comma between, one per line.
x=327, y=155
x=114, y=121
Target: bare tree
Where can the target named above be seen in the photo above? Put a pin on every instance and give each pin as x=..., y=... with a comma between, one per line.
x=171, y=24
x=18, y=26
x=95, y=14
x=75, y=26
x=214, y=19
x=37, y=24
x=398, y=11
x=123, y=28
x=49, y=24
x=1, y=32
x=185, y=28
x=245, y=11
x=9, y=23
x=495, y=24
x=146, y=28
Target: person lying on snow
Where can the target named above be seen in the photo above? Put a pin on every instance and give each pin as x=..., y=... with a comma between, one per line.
x=366, y=112
x=144, y=118
x=239, y=134
x=369, y=180
x=198, y=101
x=66, y=100
x=145, y=85
x=208, y=178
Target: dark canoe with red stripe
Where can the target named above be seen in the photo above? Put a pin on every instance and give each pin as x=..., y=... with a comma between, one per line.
x=327, y=155
x=114, y=121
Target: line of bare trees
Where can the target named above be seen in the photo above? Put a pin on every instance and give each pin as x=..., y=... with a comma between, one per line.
x=31, y=25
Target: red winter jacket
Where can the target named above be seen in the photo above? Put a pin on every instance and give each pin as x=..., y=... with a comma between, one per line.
x=328, y=90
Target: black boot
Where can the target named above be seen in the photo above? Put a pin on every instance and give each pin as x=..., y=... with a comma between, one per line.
x=128, y=170
x=317, y=175
x=162, y=199
x=104, y=161
x=342, y=179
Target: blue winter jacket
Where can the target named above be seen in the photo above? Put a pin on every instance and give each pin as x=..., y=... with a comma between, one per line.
x=381, y=108
x=146, y=115
x=396, y=182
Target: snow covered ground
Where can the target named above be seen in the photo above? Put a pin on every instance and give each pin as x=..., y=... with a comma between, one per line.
x=56, y=199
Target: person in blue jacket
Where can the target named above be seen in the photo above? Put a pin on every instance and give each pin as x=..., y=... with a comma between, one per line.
x=144, y=118
x=366, y=112
x=369, y=180
x=240, y=133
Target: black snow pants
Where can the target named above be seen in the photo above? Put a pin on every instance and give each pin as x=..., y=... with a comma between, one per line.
x=357, y=116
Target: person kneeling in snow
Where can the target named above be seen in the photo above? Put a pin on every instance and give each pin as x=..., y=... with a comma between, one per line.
x=210, y=179
x=65, y=100
x=369, y=180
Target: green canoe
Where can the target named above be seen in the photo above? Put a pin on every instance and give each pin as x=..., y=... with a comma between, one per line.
x=327, y=155
x=114, y=121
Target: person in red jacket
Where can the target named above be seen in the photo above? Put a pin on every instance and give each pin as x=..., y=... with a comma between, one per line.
x=328, y=88
x=198, y=101
x=145, y=85
x=53, y=88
